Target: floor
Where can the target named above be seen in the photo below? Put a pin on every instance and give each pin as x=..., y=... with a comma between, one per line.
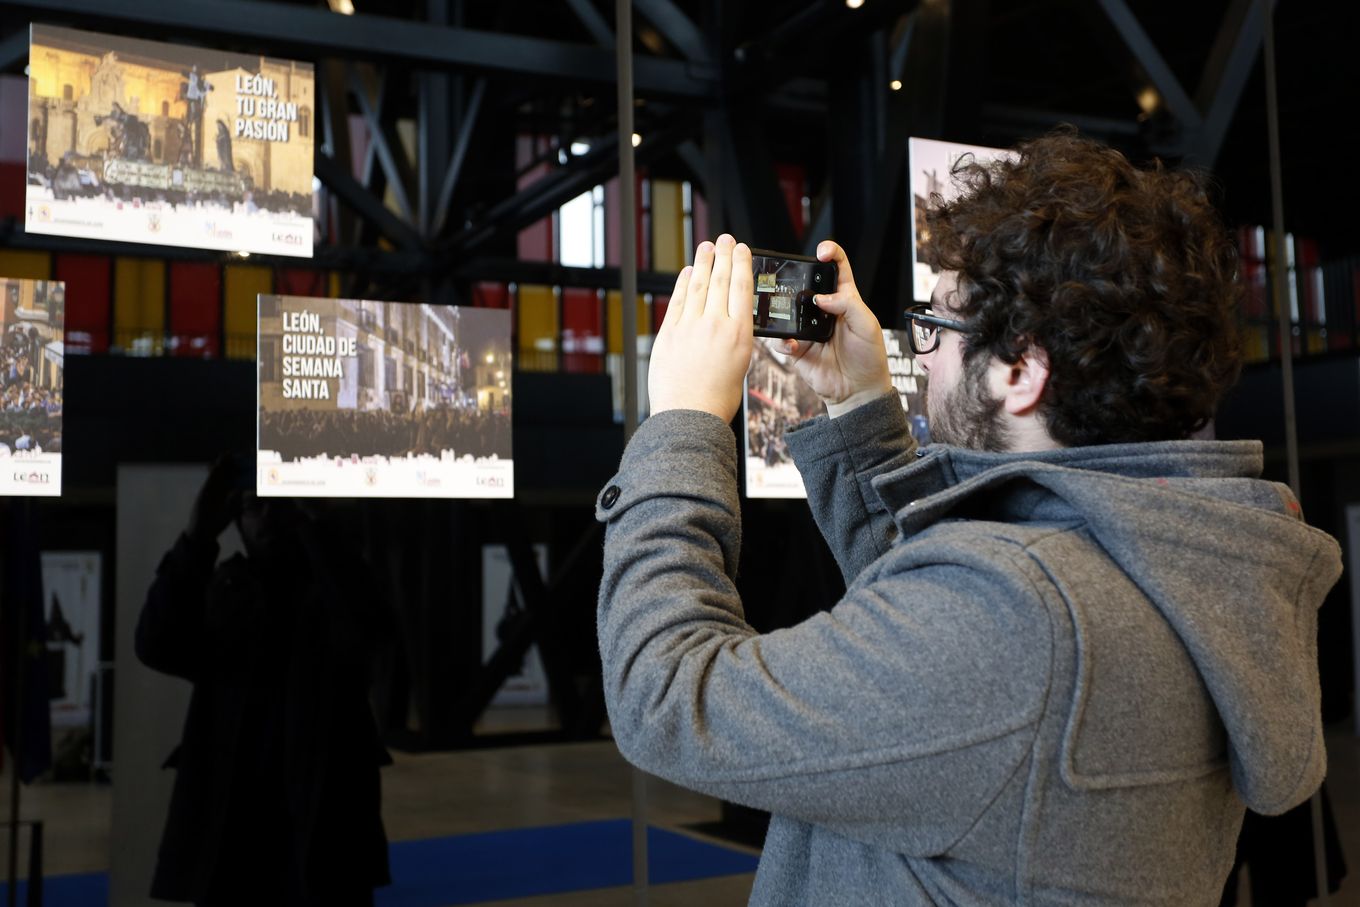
x=485, y=790
x=434, y=795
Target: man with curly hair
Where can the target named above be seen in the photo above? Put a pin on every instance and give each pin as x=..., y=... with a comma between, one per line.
x=1077, y=641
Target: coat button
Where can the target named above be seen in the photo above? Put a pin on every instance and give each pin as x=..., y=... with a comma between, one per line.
x=611, y=494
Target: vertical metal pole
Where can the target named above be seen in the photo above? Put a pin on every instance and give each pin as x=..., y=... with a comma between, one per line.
x=1281, y=263
x=1291, y=437
x=623, y=39
x=627, y=216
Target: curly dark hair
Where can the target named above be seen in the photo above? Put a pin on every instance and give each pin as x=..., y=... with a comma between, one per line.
x=1125, y=277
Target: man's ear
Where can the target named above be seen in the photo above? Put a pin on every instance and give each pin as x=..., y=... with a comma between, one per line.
x=1020, y=385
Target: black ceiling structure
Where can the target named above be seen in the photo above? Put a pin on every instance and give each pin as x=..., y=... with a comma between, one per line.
x=726, y=89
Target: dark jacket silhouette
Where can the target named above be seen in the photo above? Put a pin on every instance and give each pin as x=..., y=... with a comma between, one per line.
x=277, y=794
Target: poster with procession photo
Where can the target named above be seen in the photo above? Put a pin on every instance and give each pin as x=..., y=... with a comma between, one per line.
x=138, y=141
x=383, y=399
x=777, y=399
x=32, y=351
x=932, y=165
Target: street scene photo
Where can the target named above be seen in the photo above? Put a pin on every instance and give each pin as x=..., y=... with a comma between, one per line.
x=383, y=399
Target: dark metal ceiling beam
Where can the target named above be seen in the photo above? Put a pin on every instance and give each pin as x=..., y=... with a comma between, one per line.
x=692, y=156
x=1151, y=62
x=460, y=149
x=543, y=196
x=677, y=28
x=288, y=29
x=371, y=168
x=331, y=92
x=793, y=29
x=382, y=137
x=820, y=25
x=594, y=22
x=364, y=203
x=756, y=208
x=1231, y=60
x=14, y=51
x=546, y=273
x=434, y=125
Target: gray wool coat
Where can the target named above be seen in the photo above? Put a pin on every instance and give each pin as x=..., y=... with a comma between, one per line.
x=1055, y=678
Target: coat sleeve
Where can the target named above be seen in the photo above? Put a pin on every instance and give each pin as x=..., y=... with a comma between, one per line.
x=909, y=705
x=171, y=636
x=838, y=459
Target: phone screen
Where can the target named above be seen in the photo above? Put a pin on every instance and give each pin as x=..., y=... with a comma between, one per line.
x=781, y=286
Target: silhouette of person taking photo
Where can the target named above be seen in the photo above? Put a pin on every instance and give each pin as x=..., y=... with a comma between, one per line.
x=277, y=792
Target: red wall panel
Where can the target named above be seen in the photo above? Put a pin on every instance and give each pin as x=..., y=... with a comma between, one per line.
x=89, y=301
x=195, y=309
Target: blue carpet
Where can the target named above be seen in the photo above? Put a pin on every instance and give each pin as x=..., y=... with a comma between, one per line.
x=520, y=863
x=88, y=889
x=524, y=862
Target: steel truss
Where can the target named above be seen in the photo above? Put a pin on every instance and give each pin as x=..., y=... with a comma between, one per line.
x=708, y=92
x=724, y=90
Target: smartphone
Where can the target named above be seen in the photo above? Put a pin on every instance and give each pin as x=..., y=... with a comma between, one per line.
x=785, y=284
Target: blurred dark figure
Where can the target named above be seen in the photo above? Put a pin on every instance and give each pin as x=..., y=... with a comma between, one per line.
x=277, y=795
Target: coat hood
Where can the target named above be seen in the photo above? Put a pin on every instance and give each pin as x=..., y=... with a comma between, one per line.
x=1224, y=556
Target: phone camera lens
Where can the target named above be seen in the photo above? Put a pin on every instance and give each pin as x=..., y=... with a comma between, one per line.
x=817, y=277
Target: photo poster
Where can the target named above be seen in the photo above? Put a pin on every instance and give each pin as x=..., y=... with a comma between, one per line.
x=932, y=163
x=138, y=141
x=363, y=399
x=32, y=352
x=777, y=399
x=71, y=591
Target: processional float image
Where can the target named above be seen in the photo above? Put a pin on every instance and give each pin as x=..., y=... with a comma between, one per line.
x=138, y=141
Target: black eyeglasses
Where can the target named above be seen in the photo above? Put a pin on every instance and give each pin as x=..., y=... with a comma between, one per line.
x=925, y=329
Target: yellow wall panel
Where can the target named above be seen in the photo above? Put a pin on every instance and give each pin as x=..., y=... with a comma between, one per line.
x=242, y=284
x=138, y=303
x=614, y=319
x=536, y=311
x=26, y=265
x=668, y=226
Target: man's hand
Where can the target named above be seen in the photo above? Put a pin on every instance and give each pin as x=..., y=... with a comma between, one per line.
x=851, y=368
x=703, y=348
